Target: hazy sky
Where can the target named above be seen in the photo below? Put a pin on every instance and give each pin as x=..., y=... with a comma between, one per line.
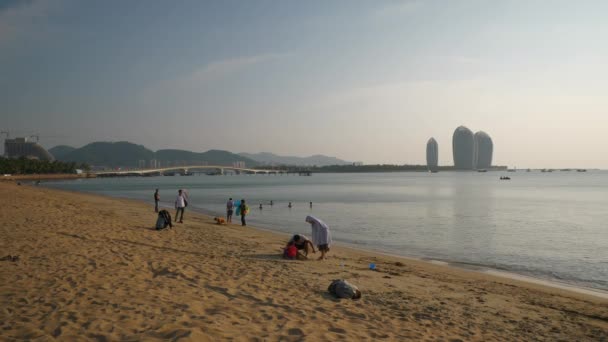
x=367, y=81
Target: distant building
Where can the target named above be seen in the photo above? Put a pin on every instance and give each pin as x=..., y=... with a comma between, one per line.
x=358, y=163
x=463, y=149
x=21, y=147
x=141, y=164
x=239, y=164
x=432, y=154
x=483, y=150
x=154, y=164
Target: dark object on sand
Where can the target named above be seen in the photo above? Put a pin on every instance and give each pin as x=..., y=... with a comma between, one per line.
x=13, y=258
x=163, y=220
x=343, y=289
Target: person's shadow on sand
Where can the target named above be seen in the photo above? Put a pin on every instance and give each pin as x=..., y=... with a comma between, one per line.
x=267, y=257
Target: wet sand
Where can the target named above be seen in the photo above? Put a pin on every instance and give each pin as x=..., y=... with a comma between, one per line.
x=92, y=267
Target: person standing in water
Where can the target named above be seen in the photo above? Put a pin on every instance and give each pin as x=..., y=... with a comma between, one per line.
x=243, y=210
x=320, y=235
x=156, y=200
x=310, y=205
x=229, y=210
x=289, y=206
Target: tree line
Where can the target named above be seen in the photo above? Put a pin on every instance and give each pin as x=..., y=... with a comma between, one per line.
x=33, y=166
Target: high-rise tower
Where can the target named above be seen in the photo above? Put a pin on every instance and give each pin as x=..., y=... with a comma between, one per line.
x=432, y=154
x=483, y=150
x=463, y=148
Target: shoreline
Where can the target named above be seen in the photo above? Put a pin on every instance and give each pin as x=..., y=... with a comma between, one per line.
x=477, y=268
x=480, y=269
x=92, y=267
x=46, y=177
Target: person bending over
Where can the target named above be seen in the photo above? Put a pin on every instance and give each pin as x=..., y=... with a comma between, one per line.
x=302, y=243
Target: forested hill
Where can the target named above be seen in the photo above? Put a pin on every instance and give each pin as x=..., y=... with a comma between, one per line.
x=126, y=154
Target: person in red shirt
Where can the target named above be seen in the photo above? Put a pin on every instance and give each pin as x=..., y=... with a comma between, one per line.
x=290, y=252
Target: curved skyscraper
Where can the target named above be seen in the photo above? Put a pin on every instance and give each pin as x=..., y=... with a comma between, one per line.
x=463, y=148
x=483, y=150
x=20, y=147
x=432, y=154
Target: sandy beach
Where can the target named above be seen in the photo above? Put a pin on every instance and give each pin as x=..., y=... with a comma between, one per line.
x=93, y=268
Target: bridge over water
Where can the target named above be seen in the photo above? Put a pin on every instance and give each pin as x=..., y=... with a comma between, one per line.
x=219, y=169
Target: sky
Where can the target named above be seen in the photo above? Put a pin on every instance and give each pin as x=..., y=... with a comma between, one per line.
x=366, y=81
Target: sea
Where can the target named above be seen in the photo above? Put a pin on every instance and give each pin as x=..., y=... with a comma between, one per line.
x=547, y=225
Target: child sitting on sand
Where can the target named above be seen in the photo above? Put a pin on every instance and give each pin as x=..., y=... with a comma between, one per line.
x=290, y=252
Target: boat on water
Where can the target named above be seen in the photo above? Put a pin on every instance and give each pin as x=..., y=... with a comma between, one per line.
x=482, y=170
x=581, y=170
x=505, y=178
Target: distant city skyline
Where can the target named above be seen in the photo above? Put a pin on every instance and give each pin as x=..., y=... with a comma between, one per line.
x=366, y=81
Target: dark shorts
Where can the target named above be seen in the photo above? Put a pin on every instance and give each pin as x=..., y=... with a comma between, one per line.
x=323, y=248
x=230, y=212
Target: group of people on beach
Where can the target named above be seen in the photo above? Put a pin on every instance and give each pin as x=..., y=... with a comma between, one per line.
x=298, y=247
x=181, y=202
x=241, y=207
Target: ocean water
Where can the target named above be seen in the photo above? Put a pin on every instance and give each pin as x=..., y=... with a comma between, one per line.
x=548, y=225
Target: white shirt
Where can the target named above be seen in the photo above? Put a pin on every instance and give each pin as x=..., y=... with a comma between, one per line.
x=179, y=201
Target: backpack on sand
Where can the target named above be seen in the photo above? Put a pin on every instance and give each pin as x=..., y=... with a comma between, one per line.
x=163, y=220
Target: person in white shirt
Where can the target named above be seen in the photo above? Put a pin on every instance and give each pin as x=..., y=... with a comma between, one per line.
x=180, y=205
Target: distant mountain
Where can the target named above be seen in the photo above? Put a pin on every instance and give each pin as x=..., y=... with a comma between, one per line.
x=59, y=151
x=270, y=158
x=211, y=157
x=126, y=154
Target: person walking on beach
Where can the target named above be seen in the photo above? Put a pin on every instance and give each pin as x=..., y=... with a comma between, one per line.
x=310, y=205
x=289, y=206
x=180, y=205
x=320, y=235
x=156, y=200
x=229, y=210
x=243, y=210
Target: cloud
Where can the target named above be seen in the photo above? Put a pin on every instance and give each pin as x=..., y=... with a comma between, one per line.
x=219, y=69
x=206, y=75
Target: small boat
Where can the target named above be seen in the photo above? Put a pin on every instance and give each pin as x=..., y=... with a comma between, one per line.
x=482, y=170
x=505, y=178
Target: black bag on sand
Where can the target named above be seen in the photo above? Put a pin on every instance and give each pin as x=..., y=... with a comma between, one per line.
x=163, y=220
x=343, y=289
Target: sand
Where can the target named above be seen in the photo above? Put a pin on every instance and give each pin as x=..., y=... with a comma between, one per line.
x=93, y=268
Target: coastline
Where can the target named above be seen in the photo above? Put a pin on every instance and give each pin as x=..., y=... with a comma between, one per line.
x=91, y=266
x=53, y=176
